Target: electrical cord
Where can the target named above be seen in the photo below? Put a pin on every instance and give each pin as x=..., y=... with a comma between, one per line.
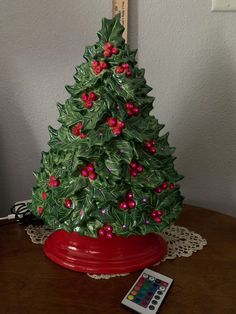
x=21, y=214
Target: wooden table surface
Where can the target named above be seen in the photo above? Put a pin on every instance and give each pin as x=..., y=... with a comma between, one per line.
x=203, y=283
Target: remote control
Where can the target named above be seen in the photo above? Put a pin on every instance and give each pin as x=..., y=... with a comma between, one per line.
x=148, y=292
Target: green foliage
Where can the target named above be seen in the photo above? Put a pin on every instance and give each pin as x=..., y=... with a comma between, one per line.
x=95, y=203
x=112, y=31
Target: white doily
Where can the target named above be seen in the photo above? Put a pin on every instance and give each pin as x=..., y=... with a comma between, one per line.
x=181, y=243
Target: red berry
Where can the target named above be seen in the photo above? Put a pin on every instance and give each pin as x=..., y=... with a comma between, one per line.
x=135, y=111
x=171, y=186
x=148, y=145
x=84, y=97
x=125, y=65
x=123, y=205
x=44, y=196
x=82, y=135
x=108, y=228
x=133, y=173
x=128, y=73
x=112, y=121
x=84, y=172
x=51, y=181
x=159, y=212
x=108, y=46
x=140, y=168
x=109, y=235
x=90, y=167
x=107, y=53
x=129, y=105
x=92, y=96
x=130, y=113
x=103, y=65
x=56, y=183
x=133, y=164
x=117, y=130
x=75, y=131
x=119, y=69
x=98, y=69
x=95, y=63
x=101, y=232
x=40, y=210
x=92, y=175
x=68, y=203
x=152, y=150
x=158, y=189
x=121, y=124
x=157, y=219
x=89, y=104
x=115, y=50
x=153, y=142
x=131, y=204
x=130, y=195
x=164, y=185
x=154, y=214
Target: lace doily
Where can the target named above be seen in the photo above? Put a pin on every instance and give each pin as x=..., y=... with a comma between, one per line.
x=181, y=243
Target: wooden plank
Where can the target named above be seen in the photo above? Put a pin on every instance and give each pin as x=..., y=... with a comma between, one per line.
x=122, y=7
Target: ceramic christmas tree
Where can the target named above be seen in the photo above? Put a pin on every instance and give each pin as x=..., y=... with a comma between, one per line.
x=108, y=182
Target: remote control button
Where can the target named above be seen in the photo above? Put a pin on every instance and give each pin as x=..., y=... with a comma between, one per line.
x=151, y=307
x=130, y=297
x=154, y=302
x=157, y=297
x=162, y=288
x=151, y=278
x=145, y=276
x=134, y=292
x=160, y=292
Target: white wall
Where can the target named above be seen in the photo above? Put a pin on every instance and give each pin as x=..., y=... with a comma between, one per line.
x=189, y=54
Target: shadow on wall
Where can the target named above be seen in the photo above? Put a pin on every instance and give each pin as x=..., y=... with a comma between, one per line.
x=208, y=132
x=19, y=152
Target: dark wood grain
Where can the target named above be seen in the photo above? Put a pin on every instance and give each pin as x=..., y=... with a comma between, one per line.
x=203, y=283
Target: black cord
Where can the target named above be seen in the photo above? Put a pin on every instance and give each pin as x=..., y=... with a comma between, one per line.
x=23, y=214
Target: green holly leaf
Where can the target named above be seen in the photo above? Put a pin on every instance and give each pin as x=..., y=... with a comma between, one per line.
x=94, y=115
x=123, y=149
x=113, y=164
x=100, y=136
x=90, y=53
x=112, y=31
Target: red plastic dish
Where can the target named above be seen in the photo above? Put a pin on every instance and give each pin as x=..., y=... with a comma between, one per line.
x=104, y=256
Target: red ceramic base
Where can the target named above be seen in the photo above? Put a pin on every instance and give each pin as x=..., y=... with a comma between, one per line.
x=104, y=256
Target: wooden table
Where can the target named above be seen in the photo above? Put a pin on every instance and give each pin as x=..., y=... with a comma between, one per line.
x=203, y=283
